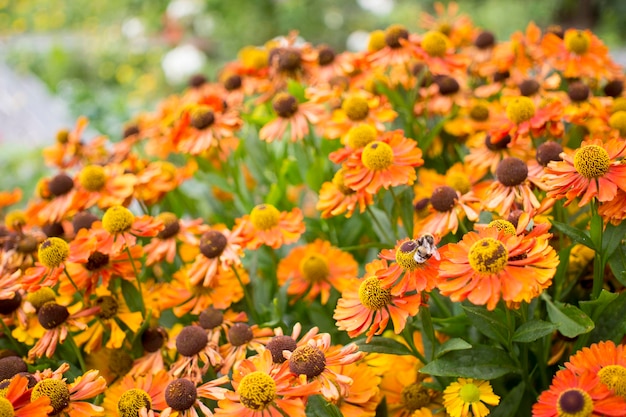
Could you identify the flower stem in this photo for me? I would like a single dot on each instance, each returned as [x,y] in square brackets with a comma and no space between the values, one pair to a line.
[246,294]
[596,230]
[79,355]
[67,274]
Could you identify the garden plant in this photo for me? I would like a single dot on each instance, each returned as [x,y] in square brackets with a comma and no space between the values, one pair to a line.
[433,226]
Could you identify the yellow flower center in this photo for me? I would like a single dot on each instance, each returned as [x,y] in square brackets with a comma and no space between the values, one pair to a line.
[520,109]
[458,181]
[53,252]
[619,104]
[405,255]
[56,390]
[414,397]
[577,41]
[15,219]
[361,135]
[469,393]
[314,268]
[252,57]
[488,256]
[614,377]
[574,402]
[92,178]
[435,43]
[377,156]
[592,161]
[338,180]
[117,219]
[6,408]
[372,295]
[132,401]
[376,41]
[41,297]
[504,225]
[618,121]
[108,306]
[479,112]
[63,136]
[257,390]
[394,33]
[356,108]
[307,360]
[264,216]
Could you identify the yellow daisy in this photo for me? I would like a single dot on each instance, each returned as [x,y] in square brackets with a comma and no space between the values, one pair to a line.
[459,396]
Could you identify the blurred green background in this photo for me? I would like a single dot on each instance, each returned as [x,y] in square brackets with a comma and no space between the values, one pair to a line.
[110,59]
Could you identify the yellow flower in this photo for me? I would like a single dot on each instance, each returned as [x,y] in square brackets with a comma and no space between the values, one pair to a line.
[459,396]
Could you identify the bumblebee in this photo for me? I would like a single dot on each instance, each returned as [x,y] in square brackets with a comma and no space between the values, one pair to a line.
[426,248]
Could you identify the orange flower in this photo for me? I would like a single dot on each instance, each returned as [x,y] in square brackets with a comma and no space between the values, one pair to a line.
[67,399]
[197,353]
[122,228]
[511,189]
[447,207]
[487,151]
[203,126]
[265,225]
[614,211]
[137,395]
[436,51]
[163,247]
[493,264]
[264,389]
[366,305]
[390,161]
[571,394]
[364,394]
[183,397]
[17,400]
[358,108]
[335,198]
[8,198]
[579,54]
[314,269]
[105,186]
[604,360]
[447,20]
[242,337]
[594,171]
[159,178]
[415,268]
[219,249]
[293,116]
[317,360]
[393,48]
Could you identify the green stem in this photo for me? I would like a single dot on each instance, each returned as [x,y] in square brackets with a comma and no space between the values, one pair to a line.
[79,355]
[246,295]
[596,231]
[67,274]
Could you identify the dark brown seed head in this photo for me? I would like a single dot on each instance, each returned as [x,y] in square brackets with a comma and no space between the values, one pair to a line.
[447,85]
[326,56]
[9,305]
[549,151]
[578,91]
[279,343]
[528,87]
[83,220]
[96,261]
[11,366]
[181,394]
[444,198]
[514,217]
[285,105]
[307,360]
[191,340]
[614,88]
[153,339]
[499,145]
[233,82]
[210,318]
[53,229]
[197,80]
[394,33]
[212,244]
[202,119]
[130,131]
[511,171]
[501,76]
[485,40]
[240,334]
[51,315]
[60,184]
[421,204]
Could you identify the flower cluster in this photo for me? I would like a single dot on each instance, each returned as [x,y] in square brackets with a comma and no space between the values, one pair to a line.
[242,249]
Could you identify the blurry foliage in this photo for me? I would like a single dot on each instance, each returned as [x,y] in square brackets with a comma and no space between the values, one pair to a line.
[104,56]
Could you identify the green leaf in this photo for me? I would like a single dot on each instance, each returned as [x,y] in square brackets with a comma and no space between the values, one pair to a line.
[611,322]
[383,345]
[612,237]
[481,362]
[381,225]
[317,406]
[577,235]
[595,307]
[132,296]
[617,262]
[509,405]
[533,330]
[450,345]
[570,321]
[490,323]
